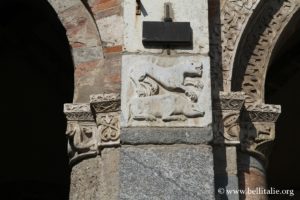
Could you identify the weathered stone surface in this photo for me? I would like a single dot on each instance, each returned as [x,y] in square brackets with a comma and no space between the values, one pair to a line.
[100,5]
[80,26]
[225,168]
[166,91]
[225,158]
[111,30]
[87,54]
[197,15]
[100,76]
[59,5]
[166,172]
[166,135]
[106,108]
[229,183]
[96,178]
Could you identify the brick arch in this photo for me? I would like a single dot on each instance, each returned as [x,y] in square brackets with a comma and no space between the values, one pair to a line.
[256,47]
[84,39]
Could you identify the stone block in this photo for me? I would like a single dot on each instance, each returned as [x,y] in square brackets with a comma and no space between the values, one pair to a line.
[154,10]
[166,135]
[164,91]
[166,172]
[60,6]
[100,5]
[229,183]
[96,178]
[80,26]
[87,54]
[111,30]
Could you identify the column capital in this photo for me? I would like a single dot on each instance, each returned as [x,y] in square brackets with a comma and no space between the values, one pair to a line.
[226,111]
[81,132]
[258,129]
[92,126]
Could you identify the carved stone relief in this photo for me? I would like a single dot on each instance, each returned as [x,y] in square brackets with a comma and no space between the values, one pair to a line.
[226,116]
[258,129]
[166,92]
[227,27]
[78,112]
[234,17]
[107,110]
[92,126]
[81,132]
[258,48]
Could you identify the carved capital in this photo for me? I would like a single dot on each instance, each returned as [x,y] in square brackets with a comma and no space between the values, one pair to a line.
[258,129]
[104,103]
[230,101]
[107,110]
[81,132]
[226,115]
[264,113]
[78,112]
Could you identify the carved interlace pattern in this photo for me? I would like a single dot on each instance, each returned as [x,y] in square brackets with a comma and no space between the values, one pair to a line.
[234,17]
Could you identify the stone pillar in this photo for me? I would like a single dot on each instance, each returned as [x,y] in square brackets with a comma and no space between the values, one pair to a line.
[226,112]
[257,135]
[252,177]
[166,107]
[94,137]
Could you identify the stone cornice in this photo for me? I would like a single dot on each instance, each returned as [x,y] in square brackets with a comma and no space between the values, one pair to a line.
[104,103]
[79,112]
[264,113]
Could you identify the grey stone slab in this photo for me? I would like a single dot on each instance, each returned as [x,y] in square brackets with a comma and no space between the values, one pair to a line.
[96,178]
[226,183]
[166,135]
[225,158]
[183,172]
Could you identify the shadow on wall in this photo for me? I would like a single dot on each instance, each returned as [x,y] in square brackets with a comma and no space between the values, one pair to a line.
[282,87]
[37,78]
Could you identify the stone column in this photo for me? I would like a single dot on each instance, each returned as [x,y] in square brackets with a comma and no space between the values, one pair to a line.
[94,137]
[166,107]
[257,135]
[226,112]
